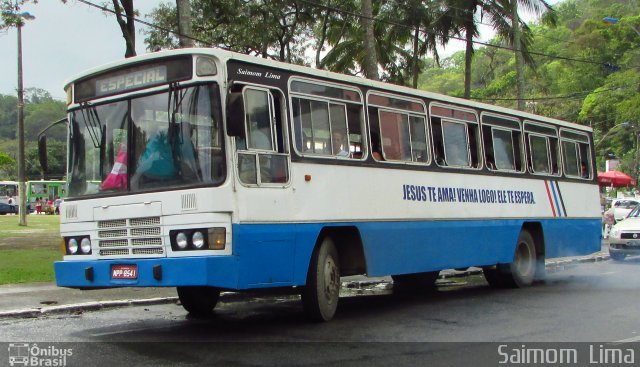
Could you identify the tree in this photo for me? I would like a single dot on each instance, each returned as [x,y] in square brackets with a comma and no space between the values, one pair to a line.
[500,14]
[126,22]
[370,58]
[280,29]
[7,165]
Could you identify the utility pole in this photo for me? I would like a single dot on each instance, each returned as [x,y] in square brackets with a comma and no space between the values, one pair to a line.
[22,185]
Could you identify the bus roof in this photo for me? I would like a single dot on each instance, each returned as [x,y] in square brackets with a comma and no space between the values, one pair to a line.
[225,55]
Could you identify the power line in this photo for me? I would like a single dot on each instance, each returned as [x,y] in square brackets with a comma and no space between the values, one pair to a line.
[568,96]
[104,8]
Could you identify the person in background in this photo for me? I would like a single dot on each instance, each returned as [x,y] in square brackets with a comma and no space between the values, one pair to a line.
[12,204]
[56,204]
[49,206]
[38,206]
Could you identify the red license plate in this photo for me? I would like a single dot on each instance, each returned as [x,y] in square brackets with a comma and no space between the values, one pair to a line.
[124,272]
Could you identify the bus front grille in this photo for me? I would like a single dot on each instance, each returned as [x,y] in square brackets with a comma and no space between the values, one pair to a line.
[130,237]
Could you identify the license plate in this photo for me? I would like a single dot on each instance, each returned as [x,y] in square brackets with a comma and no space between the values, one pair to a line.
[124,271]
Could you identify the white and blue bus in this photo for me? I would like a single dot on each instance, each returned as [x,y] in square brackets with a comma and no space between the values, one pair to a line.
[208,170]
[8,192]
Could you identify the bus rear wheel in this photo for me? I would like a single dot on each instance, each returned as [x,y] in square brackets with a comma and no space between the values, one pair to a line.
[321,293]
[521,271]
[415,282]
[199,301]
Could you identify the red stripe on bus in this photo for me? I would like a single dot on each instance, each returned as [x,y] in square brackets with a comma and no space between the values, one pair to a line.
[546,186]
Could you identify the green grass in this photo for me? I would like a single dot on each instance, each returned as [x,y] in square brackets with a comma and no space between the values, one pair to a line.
[27,252]
[28,265]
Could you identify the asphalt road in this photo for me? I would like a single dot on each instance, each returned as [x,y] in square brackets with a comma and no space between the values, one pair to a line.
[592,303]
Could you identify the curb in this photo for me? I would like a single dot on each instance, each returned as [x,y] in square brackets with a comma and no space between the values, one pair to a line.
[84,306]
[551,267]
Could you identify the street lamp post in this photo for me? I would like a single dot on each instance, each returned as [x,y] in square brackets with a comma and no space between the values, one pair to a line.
[612,20]
[22,207]
[624,124]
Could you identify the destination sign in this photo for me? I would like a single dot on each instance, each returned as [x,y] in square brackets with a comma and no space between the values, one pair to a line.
[136,77]
[134,80]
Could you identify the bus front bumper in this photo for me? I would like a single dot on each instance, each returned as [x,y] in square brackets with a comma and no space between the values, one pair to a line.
[215,271]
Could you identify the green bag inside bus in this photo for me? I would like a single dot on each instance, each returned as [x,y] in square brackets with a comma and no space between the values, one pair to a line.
[157,159]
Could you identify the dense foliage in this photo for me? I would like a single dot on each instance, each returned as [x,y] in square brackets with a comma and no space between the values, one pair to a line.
[40,110]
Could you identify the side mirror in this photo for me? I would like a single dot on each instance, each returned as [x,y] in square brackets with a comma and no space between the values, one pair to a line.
[42,152]
[235,114]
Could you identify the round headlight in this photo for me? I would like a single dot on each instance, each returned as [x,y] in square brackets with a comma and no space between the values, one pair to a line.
[85,245]
[197,239]
[181,241]
[615,233]
[72,246]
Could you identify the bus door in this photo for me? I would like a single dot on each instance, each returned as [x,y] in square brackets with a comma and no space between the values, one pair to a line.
[52,190]
[261,144]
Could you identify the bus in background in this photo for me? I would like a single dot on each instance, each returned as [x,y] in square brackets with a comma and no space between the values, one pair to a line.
[8,190]
[208,170]
[8,197]
[49,190]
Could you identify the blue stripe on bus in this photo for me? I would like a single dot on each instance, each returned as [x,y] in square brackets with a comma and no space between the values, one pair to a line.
[564,210]
[554,190]
[275,255]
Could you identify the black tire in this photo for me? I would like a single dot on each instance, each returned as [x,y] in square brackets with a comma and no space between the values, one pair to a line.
[199,301]
[415,282]
[522,271]
[617,256]
[321,293]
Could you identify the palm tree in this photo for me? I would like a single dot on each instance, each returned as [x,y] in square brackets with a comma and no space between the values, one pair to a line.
[502,15]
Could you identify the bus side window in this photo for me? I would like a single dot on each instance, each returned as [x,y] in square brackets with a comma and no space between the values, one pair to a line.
[541,142]
[262,156]
[502,146]
[327,120]
[456,136]
[576,154]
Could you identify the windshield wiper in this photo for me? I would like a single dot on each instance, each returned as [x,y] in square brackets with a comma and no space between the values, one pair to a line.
[92,122]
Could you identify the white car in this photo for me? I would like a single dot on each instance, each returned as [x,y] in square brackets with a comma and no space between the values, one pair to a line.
[624,238]
[622,208]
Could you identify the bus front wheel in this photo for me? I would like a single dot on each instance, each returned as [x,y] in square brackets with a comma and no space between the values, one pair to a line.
[519,273]
[321,293]
[199,301]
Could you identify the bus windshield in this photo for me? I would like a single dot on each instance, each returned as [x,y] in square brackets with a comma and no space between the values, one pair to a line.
[165,140]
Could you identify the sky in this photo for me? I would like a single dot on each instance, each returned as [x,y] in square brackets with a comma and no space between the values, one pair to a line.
[67,39]
[61,42]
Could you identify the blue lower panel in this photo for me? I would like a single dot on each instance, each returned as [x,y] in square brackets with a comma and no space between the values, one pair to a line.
[220,271]
[270,255]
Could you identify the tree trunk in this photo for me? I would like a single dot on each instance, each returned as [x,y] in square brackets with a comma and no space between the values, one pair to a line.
[468,57]
[518,53]
[370,58]
[127,25]
[183,8]
[323,36]
[414,62]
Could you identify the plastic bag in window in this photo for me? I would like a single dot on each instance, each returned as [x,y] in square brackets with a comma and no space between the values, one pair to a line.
[117,178]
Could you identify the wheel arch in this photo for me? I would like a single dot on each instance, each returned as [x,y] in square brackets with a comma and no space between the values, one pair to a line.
[350,248]
[537,233]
